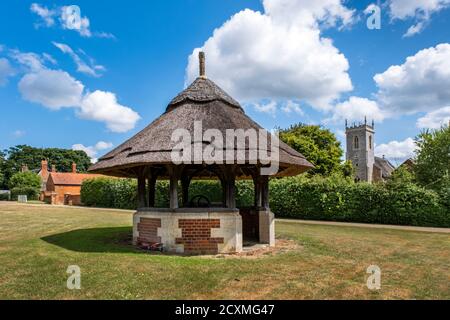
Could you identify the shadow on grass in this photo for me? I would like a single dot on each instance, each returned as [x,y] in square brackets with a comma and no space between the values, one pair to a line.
[104,240]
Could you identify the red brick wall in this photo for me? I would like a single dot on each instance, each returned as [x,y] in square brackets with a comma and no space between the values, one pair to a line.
[148,230]
[196,236]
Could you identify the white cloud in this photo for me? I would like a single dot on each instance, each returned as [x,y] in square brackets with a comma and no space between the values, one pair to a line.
[92,151]
[6,71]
[56,89]
[32,61]
[292,107]
[279,54]
[47,15]
[419,10]
[435,119]
[69,18]
[269,108]
[53,89]
[355,109]
[19,133]
[103,106]
[83,67]
[396,150]
[421,84]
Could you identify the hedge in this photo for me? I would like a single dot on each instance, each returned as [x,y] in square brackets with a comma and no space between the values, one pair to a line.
[31,193]
[300,198]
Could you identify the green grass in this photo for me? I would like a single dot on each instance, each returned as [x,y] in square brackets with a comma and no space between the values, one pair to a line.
[38,243]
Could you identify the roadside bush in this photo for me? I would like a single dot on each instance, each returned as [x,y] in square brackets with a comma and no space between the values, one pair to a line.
[4,196]
[317,198]
[31,193]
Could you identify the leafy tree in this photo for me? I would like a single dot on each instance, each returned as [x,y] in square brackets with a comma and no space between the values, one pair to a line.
[16,157]
[2,175]
[25,180]
[400,176]
[318,145]
[432,167]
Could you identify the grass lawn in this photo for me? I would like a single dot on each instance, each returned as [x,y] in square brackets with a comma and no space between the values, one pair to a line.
[38,243]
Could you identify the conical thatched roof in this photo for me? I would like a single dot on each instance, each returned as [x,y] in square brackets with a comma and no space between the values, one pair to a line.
[202,101]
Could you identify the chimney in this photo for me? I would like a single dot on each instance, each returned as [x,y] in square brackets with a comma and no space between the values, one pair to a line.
[53,168]
[44,168]
[74,167]
[202,66]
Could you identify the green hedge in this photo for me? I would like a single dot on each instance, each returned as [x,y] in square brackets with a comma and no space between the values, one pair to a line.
[324,199]
[332,199]
[31,193]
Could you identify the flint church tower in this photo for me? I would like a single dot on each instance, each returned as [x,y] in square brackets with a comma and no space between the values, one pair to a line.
[360,149]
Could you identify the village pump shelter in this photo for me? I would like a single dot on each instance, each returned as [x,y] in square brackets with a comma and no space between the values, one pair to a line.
[195,225]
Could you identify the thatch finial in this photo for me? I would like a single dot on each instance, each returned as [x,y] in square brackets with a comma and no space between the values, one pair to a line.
[201,58]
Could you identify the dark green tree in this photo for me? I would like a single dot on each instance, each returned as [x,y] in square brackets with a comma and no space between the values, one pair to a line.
[318,145]
[432,166]
[16,157]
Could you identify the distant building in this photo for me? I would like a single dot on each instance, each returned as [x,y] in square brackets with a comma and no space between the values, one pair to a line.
[64,188]
[361,152]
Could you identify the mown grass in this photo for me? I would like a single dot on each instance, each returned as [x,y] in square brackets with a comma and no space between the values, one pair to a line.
[38,243]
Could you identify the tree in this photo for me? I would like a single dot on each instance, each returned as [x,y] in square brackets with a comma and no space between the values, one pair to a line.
[318,145]
[25,183]
[25,180]
[2,175]
[432,167]
[16,157]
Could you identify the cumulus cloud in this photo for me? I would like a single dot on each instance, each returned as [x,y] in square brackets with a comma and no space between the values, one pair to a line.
[421,84]
[292,107]
[89,68]
[69,18]
[54,89]
[269,108]
[435,119]
[92,151]
[279,54]
[103,106]
[6,71]
[418,10]
[355,109]
[397,150]
[19,134]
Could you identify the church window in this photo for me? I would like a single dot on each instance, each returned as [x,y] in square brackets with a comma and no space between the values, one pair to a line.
[356,143]
[370,142]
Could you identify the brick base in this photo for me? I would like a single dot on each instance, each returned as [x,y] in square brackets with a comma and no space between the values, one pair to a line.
[196,236]
[148,230]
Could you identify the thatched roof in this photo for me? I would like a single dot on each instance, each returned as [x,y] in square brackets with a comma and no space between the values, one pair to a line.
[202,101]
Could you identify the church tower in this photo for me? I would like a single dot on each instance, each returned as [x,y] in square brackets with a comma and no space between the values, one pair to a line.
[360,149]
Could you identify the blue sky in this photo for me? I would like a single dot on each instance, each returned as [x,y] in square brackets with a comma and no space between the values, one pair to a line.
[93,82]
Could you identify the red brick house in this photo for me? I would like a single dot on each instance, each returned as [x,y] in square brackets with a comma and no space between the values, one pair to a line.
[64,188]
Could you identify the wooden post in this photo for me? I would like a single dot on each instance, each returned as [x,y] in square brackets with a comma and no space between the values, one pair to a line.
[230,187]
[265,192]
[185,182]
[142,201]
[258,192]
[173,189]
[152,177]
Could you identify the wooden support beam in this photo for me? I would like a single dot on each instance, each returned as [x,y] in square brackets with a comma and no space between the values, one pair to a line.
[142,199]
[230,186]
[152,177]
[185,182]
[173,188]
[265,192]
